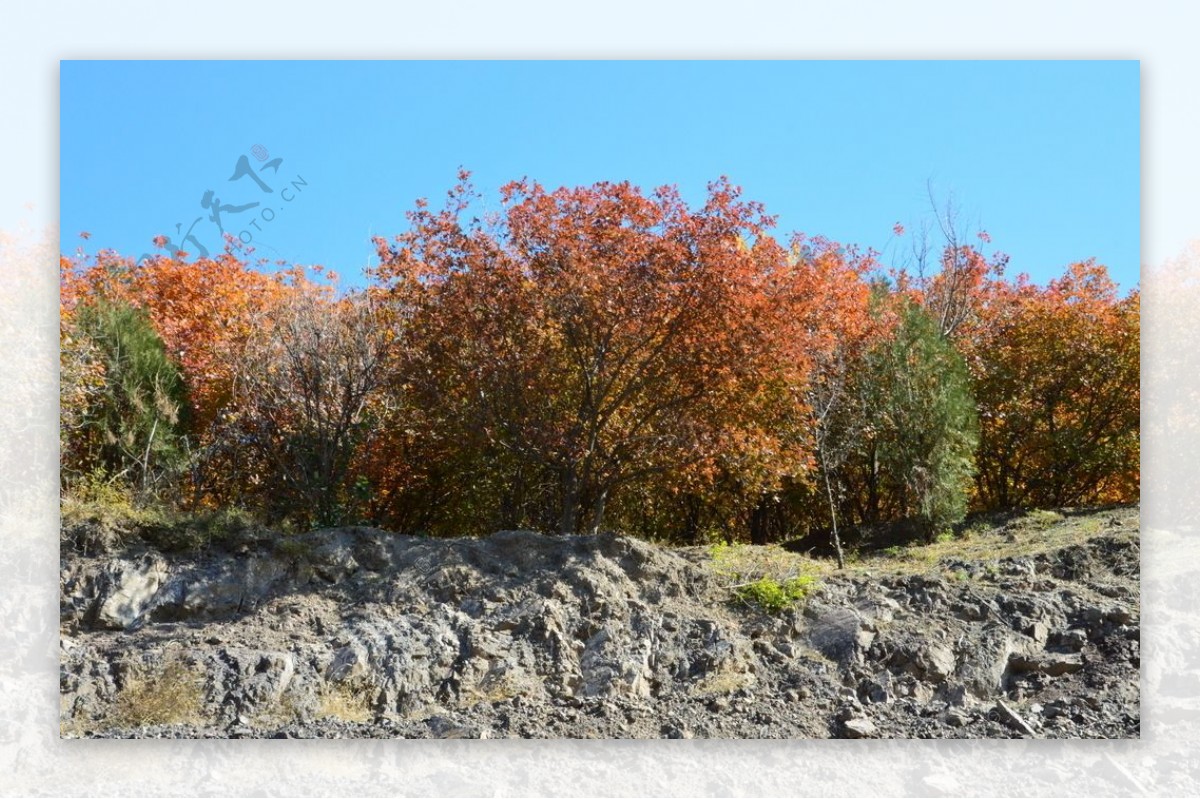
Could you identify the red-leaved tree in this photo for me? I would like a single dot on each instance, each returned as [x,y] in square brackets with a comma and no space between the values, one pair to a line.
[592,338]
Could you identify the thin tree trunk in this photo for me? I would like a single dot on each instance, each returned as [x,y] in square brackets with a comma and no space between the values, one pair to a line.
[837,539]
[146,456]
[873,487]
[598,511]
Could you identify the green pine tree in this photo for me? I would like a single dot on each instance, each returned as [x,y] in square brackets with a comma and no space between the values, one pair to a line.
[927,422]
[136,419]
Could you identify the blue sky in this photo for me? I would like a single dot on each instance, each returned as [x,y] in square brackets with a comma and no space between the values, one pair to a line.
[1043,155]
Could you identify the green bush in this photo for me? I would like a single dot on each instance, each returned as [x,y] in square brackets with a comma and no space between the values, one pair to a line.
[98,489]
[774,596]
[130,430]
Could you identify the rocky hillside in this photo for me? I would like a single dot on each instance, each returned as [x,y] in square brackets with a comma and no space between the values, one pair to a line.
[1027,628]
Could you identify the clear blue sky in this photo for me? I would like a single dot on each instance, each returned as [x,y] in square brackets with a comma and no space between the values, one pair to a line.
[1044,155]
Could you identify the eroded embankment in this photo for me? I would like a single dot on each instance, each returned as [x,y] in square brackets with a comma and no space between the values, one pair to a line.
[359,633]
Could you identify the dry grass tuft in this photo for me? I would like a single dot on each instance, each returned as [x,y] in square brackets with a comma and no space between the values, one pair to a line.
[1033,533]
[500,685]
[173,694]
[284,711]
[346,701]
[725,682]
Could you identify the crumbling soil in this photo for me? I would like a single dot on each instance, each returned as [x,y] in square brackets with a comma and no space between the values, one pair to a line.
[356,632]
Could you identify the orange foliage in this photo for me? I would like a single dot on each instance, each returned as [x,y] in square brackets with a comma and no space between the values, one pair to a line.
[599,350]
[597,337]
[1056,379]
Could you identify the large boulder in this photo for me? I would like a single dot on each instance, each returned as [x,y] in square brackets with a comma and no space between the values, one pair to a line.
[127,589]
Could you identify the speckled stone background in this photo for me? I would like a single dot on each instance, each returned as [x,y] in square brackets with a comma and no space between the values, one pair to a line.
[33,761]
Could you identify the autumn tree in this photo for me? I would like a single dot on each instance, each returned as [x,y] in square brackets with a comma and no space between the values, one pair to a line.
[838,312]
[204,312]
[594,337]
[602,357]
[947,273]
[1056,373]
[81,388]
[308,374]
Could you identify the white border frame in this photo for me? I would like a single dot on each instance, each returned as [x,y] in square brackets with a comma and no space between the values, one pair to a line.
[35,37]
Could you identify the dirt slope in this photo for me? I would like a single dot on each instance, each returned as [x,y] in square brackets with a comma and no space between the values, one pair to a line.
[1026,629]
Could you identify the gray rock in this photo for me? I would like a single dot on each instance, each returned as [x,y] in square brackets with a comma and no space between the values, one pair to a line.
[443,727]
[1073,640]
[954,694]
[357,633]
[1048,663]
[677,732]
[610,669]
[957,718]
[264,676]
[128,589]
[223,589]
[877,690]
[859,727]
[349,662]
[837,634]
[937,661]
[985,659]
[334,561]
[1013,719]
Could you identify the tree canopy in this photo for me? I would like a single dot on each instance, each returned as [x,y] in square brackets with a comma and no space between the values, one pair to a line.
[603,358]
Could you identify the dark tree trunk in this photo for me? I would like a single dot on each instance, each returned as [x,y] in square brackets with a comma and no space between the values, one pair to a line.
[759,522]
[569,518]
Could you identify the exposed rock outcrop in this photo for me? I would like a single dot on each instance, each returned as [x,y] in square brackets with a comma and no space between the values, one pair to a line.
[358,632]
